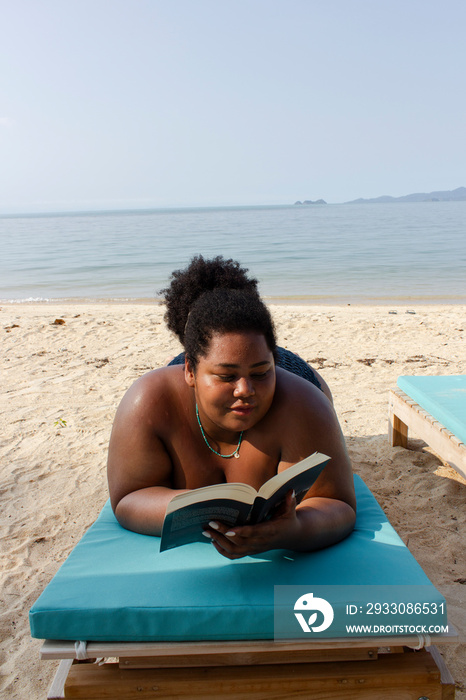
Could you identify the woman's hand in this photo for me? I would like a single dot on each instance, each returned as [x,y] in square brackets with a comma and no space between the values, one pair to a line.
[238,542]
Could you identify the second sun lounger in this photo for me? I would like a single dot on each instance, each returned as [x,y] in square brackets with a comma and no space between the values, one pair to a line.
[434,408]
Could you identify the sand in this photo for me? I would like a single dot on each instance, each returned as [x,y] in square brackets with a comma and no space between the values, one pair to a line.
[65,367]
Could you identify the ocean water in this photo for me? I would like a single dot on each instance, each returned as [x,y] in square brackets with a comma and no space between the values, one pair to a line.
[327,253]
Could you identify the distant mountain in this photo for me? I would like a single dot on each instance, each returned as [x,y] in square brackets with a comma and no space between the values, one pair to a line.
[458,195]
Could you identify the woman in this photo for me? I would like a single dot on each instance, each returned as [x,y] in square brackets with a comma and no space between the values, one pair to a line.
[227,414]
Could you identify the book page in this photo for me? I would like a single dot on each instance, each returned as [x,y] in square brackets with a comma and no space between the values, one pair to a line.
[233,491]
[307,464]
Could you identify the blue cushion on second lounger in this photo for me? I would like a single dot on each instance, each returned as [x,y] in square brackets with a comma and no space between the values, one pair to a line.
[117,586]
[443,397]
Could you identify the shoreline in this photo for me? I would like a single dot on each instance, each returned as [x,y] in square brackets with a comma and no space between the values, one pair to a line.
[290,300]
[62,383]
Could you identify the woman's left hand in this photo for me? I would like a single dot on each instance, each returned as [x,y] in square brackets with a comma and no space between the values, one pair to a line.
[237,542]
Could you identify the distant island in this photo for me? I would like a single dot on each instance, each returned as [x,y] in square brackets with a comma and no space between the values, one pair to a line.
[458,195]
[309,201]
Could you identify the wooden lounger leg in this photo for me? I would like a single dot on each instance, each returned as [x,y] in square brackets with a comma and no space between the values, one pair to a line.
[446,679]
[397,431]
[57,689]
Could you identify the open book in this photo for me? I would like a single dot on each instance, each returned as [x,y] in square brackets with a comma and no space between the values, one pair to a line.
[188,514]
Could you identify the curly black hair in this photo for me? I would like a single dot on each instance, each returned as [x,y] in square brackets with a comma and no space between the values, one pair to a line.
[212,296]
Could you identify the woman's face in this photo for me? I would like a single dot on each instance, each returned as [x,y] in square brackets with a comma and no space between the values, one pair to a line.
[234,383]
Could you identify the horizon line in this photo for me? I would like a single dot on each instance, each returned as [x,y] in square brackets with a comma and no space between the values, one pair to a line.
[200,207]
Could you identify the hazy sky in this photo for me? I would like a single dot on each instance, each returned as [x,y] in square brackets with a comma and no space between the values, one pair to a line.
[160,103]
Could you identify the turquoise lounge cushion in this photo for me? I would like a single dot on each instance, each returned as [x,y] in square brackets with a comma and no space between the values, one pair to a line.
[443,397]
[117,586]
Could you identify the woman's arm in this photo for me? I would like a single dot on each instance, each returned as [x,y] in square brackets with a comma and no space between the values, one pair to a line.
[139,468]
[143,510]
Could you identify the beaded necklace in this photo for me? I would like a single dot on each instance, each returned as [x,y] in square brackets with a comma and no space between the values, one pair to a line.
[233,454]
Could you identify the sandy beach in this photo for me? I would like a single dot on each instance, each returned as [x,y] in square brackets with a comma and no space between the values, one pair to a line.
[65,368]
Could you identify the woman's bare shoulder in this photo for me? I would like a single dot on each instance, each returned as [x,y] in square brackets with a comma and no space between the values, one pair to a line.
[303,415]
[159,387]
[308,423]
[296,394]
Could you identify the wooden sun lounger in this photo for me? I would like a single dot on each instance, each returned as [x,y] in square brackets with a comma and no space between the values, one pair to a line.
[405,413]
[115,585]
[340,669]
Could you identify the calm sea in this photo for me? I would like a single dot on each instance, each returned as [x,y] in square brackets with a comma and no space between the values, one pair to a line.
[329,253]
